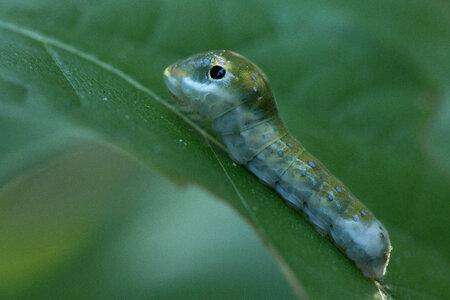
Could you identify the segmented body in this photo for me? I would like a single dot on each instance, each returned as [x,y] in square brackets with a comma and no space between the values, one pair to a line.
[244,113]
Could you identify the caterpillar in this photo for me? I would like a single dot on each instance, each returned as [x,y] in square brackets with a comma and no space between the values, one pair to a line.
[234,94]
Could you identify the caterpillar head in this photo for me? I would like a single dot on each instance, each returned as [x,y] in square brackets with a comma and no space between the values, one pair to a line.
[212,78]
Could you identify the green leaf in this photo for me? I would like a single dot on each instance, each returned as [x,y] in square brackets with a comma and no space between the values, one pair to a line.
[95,218]
[53,211]
[358,83]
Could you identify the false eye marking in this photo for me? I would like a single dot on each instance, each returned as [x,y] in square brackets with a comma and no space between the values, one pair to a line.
[217,72]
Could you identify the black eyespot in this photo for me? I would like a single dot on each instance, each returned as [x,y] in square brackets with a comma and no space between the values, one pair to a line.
[217,72]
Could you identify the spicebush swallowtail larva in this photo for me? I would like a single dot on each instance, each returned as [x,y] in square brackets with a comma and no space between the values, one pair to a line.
[232,92]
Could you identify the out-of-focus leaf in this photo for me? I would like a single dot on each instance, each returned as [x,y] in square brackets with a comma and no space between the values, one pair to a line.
[92,223]
[437,139]
[53,211]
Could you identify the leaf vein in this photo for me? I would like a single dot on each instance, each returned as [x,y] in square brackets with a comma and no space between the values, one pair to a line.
[54,56]
[260,231]
[39,37]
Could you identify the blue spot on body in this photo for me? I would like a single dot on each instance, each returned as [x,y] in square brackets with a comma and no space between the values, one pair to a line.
[312,164]
[330,197]
[254,78]
[280,153]
[303,173]
[338,188]
[290,145]
[363,213]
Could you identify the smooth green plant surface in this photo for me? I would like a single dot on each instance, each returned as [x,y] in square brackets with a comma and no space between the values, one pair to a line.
[364,86]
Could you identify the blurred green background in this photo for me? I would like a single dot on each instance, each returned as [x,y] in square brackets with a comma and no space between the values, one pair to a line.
[105,192]
[93,223]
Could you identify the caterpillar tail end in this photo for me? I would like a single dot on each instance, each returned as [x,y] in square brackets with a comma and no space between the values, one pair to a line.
[372,256]
[374,268]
